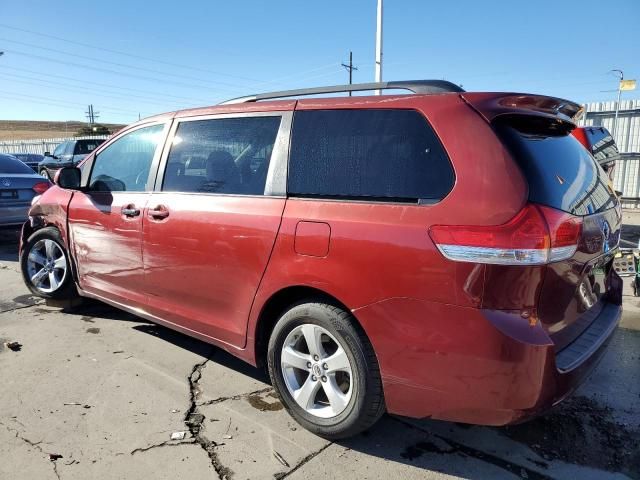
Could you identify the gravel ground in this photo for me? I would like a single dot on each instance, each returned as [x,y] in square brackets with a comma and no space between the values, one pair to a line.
[98,393]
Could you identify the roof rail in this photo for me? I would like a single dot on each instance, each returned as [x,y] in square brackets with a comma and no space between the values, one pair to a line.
[415,86]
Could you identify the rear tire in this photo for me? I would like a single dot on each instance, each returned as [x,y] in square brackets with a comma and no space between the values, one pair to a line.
[45,174]
[45,265]
[330,384]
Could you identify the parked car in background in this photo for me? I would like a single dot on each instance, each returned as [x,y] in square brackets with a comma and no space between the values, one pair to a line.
[600,143]
[445,254]
[67,154]
[32,160]
[18,185]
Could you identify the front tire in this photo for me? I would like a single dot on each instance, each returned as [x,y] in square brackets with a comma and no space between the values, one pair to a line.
[45,265]
[45,174]
[325,370]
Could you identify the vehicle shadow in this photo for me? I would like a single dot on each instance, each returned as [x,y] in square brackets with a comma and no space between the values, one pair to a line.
[204,349]
[9,241]
[90,310]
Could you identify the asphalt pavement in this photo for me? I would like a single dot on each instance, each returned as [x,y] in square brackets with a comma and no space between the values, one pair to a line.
[96,393]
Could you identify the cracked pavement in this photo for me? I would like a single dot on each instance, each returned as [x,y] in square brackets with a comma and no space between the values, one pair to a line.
[98,393]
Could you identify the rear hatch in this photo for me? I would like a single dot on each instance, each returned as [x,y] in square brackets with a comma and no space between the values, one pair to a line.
[552,262]
[562,175]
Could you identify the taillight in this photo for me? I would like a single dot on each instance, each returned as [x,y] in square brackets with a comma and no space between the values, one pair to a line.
[564,230]
[41,187]
[535,236]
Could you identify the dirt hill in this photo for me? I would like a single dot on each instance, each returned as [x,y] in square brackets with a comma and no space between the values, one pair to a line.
[26,130]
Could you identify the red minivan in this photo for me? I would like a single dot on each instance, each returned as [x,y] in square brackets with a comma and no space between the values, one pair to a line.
[437,254]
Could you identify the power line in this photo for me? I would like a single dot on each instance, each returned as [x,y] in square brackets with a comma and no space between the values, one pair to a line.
[105,70]
[123,65]
[131,55]
[78,89]
[109,85]
[164,62]
[111,109]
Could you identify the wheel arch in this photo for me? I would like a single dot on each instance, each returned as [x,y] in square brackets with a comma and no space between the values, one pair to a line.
[277,303]
[40,223]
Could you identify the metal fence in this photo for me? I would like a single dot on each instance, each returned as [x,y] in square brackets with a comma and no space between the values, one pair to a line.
[39,145]
[627,134]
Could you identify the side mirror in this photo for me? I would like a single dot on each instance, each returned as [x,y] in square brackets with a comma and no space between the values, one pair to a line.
[47,154]
[68,178]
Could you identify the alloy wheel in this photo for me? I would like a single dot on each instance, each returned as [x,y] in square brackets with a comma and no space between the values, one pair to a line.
[317,371]
[46,266]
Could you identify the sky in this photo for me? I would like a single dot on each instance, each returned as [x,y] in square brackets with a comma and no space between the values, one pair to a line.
[132,58]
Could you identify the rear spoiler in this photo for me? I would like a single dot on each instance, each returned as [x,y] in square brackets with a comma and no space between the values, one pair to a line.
[492,105]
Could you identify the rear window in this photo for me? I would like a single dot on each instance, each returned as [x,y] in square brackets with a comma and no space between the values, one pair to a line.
[11,165]
[559,170]
[85,147]
[386,155]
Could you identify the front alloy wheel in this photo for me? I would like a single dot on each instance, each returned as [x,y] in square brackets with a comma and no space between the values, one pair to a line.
[46,266]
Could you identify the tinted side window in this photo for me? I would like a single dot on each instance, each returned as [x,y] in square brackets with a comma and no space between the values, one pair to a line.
[559,170]
[369,154]
[85,147]
[225,155]
[124,165]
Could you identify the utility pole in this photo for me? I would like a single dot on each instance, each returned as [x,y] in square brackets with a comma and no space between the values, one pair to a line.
[91,115]
[379,45]
[350,68]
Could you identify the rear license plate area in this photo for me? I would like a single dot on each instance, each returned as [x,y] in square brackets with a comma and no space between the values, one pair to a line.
[8,194]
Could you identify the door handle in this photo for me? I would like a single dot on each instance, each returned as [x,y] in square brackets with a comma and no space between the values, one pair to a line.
[130,211]
[159,213]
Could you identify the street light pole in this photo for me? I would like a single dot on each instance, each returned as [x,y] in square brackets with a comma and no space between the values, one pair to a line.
[615,118]
[379,45]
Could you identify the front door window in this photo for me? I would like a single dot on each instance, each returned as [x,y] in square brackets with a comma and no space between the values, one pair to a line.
[124,165]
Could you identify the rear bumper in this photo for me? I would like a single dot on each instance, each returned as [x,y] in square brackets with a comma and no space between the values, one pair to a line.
[476,366]
[14,215]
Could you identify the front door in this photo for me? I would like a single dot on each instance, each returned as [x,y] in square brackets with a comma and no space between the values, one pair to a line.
[210,226]
[105,220]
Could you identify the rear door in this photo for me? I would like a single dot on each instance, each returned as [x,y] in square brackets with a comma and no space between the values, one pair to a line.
[211,222]
[562,175]
[105,219]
